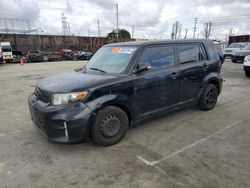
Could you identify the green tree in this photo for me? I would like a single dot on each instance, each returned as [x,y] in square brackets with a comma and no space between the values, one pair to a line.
[123,33]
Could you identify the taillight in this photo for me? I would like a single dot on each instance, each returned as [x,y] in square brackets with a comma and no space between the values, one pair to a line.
[1,54]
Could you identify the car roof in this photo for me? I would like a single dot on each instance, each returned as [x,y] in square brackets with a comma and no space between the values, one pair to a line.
[143,43]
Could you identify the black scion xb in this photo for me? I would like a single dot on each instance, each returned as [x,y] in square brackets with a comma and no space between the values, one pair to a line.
[125,83]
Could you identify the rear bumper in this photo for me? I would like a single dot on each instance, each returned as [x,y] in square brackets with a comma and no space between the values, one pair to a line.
[63,124]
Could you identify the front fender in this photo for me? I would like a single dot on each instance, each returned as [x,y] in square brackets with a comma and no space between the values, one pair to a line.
[119,100]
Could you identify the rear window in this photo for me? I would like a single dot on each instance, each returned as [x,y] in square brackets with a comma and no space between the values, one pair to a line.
[189,53]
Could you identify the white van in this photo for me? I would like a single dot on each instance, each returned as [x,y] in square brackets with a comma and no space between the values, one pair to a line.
[6,51]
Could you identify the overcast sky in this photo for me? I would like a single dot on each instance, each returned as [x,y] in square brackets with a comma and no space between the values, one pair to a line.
[152,19]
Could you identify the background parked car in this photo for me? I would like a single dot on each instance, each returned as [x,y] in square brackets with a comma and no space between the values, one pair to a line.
[229,52]
[239,55]
[35,56]
[1,56]
[85,55]
[6,51]
[67,54]
[17,56]
[246,65]
[54,56]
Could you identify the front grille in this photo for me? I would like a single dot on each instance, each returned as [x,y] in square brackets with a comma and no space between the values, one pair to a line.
[41,95]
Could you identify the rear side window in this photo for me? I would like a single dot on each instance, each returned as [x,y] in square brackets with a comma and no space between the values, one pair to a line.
[158,56]
[189,53]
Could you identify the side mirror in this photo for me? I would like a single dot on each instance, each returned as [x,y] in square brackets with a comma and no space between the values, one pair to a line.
[143,66]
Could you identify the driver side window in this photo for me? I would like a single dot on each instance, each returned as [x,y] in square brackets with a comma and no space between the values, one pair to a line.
[158,56]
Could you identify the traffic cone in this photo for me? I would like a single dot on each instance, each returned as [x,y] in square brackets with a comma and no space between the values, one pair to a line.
[21,62]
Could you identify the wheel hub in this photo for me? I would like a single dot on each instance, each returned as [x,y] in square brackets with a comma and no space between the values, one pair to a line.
[110,126]
[211,97]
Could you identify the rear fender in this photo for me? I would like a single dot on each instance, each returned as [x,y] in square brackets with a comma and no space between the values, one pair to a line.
[212,77]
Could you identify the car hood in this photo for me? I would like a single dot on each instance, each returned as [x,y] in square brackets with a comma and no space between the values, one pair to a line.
[71,82]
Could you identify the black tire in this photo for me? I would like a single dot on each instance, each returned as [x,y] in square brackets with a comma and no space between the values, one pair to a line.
[209,97]
[234,61]
[247,74]
[109,126]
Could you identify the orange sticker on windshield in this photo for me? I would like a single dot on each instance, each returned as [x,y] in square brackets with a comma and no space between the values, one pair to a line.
[115,51]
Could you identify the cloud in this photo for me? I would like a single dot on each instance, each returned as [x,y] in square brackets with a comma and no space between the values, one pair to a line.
[151,19]
[20,9]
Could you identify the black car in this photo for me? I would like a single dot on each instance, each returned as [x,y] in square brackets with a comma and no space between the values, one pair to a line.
[125,83]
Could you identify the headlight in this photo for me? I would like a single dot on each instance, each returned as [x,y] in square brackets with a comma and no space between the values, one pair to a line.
[58,99]
[247,58]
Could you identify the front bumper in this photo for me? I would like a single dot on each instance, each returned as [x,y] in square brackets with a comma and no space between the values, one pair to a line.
[65,123]
[239,58]
[246,68]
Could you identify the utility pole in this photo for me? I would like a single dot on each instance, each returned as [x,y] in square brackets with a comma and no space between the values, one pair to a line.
[117,22]
[133,30]
[98,27]
[68,28]
[186,32]
[88,32]
[195,26]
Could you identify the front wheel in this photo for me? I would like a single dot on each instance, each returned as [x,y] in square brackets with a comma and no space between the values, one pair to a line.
[110,126]
[209,97]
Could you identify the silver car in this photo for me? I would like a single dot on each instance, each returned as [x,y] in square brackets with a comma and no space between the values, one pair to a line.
[229,51]
[246,65]
[239,55]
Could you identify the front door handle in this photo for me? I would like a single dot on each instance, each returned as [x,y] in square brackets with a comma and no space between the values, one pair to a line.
[174,75]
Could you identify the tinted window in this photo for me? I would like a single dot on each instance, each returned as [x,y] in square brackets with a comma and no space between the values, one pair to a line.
[158,56]
[188,53]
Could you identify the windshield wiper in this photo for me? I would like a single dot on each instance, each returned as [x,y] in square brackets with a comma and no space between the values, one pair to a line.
[98,69]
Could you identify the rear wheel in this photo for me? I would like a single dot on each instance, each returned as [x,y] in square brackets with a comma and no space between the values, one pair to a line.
[110,126]
[247,74]
[209,97]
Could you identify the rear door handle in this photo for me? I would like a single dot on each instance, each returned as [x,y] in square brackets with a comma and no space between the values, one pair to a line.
[174,75]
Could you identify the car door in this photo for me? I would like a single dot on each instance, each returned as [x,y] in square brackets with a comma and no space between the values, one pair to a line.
[158,87]
[193,64]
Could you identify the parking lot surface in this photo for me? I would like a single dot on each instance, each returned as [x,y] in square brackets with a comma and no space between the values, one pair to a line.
[189,148]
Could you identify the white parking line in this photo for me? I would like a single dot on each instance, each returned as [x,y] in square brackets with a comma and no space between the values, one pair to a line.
[152,163]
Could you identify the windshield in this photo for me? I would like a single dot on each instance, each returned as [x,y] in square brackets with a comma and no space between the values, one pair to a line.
[17,53]
[6,49]
[235,45]
[111,59]
[246,47]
